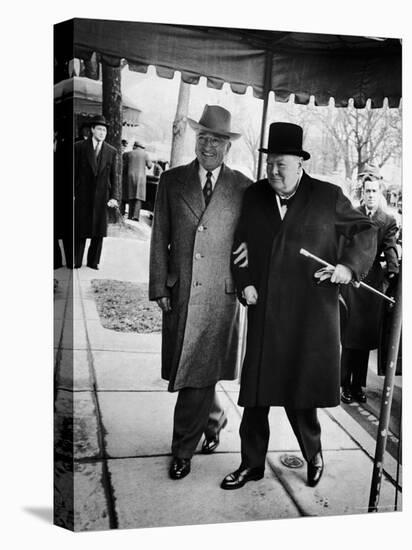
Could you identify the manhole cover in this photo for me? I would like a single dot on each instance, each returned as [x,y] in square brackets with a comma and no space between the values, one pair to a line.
[291,461]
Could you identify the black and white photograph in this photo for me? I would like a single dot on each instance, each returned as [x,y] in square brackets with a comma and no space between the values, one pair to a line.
[227,292]
[226,245]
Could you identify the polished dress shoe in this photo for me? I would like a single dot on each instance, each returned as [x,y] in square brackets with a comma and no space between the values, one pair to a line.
[315,469]
[210,444]
[240,477]
[179,468]
[346,396]
[359,395]
[93,266]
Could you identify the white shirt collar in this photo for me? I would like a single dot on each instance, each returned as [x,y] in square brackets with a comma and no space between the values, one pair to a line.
[203,172]
[282,209]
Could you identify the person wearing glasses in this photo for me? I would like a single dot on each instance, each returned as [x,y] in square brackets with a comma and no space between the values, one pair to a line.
[196,211]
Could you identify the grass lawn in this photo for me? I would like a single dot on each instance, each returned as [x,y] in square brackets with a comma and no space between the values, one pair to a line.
[125,307]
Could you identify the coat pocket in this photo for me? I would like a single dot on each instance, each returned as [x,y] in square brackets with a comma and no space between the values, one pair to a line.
[230,286]
[171,280]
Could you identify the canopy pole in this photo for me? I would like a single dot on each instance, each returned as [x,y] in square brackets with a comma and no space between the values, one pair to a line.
[266,90]
[387,394]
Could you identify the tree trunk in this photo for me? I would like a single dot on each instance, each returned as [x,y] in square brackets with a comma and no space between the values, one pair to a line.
[112,111]
[179,125]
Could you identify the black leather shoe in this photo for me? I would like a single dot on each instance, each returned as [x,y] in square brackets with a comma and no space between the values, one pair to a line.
[93,266]
[240,477]
[315,469]
[346,396]
[179,468]
[210,444]
[359,395]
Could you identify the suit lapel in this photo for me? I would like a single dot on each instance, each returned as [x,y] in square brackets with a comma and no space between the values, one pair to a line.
[91,156]
[101,161]
[191,190]
[222,193]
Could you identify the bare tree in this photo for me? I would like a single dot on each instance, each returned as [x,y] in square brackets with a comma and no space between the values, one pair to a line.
[363,136]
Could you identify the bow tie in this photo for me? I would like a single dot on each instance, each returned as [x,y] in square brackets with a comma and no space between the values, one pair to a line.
[284,201]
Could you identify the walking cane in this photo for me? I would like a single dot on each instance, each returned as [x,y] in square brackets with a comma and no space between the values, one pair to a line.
[355,284]
[386,403]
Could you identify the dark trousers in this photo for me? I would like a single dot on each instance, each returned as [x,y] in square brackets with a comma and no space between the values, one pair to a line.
[197,411]
[134,209]
[68,253]
[93,254]
[354,368]
[254,434]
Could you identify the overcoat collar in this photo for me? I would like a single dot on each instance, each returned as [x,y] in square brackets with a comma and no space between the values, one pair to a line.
[96,166]
[294,213]
[379,216]
[191,189]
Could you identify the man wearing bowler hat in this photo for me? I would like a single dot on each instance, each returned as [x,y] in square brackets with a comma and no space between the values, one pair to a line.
[95,190]
[292,350]
[196,212]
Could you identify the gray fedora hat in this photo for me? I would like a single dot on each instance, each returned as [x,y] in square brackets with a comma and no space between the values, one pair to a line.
[285,139]
[215,119]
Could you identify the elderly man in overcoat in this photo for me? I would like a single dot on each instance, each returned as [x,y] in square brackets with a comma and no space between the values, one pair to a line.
[363,309]
[292,351]
[196,212]
[95,189]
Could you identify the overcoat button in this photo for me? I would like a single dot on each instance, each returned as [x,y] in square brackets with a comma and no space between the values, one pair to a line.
[200,228]
[198,255]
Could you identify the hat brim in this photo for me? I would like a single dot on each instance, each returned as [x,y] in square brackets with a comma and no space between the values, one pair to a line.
[304,154]
[196,126]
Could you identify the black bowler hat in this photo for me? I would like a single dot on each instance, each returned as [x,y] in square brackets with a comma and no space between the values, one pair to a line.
[286,139]
[99,121]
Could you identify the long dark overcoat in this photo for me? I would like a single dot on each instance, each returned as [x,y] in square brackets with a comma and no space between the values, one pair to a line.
[190,262]
[95,184]
[292,354]
[364,309]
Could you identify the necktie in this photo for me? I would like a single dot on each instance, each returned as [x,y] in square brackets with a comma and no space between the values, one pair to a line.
[370,213]
[96,152]
[208,189]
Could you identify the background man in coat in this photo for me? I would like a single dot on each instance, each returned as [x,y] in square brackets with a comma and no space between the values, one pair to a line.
[196,212]
[364,309]
[135,163]
[292,351]
[95,189]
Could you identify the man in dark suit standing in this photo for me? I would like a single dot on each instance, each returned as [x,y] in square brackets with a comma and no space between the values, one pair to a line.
[292,350]
[95,189]
[364,309]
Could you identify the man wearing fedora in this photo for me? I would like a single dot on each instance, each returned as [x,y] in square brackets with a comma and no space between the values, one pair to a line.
[134,178]
[292,350]
[196,212]
[95,189]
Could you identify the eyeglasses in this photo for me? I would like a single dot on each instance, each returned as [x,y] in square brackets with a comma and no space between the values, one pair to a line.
[214,141]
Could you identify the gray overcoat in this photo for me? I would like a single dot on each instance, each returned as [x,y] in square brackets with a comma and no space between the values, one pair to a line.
[190,262]
[134,174]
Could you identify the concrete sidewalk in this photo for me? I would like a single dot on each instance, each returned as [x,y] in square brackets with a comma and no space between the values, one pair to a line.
[123,427]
